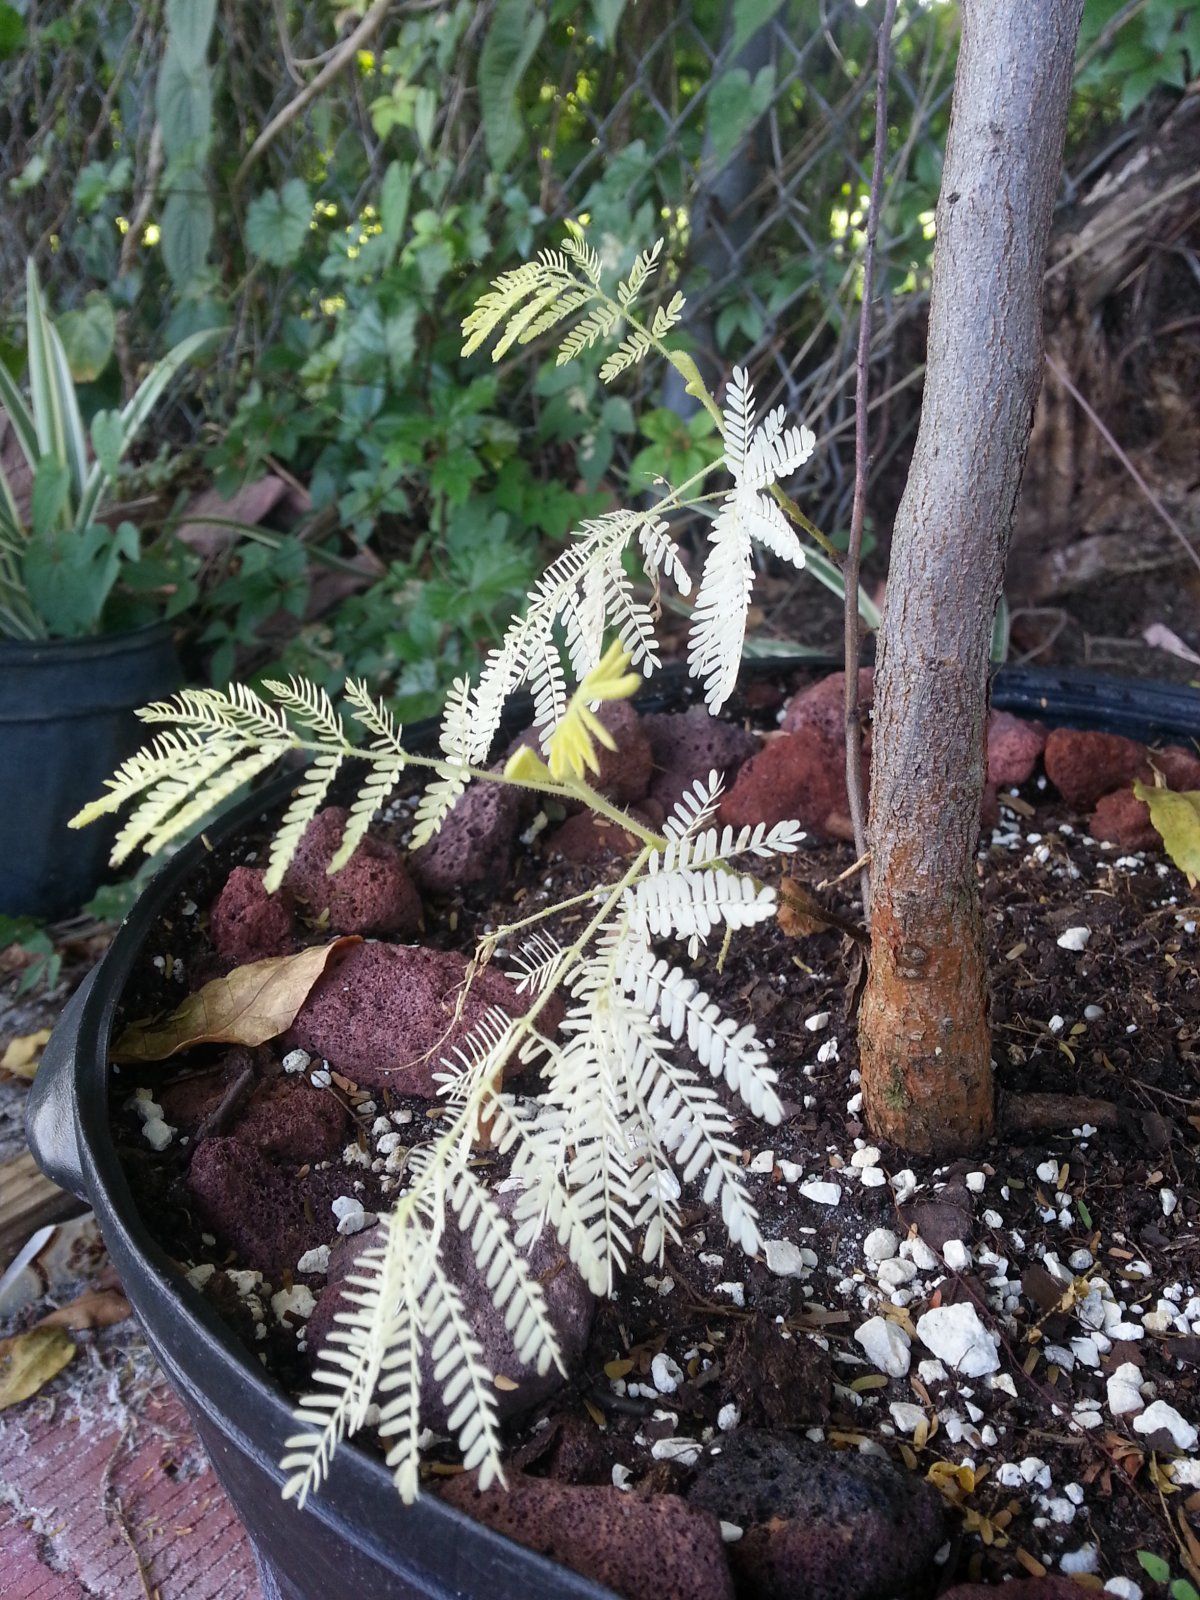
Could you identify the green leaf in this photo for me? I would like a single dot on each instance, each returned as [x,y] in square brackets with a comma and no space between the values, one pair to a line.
[394,196]
[189,29]
[187,230]
[69,577]
[606,15]
[1177,818]
[12,31]
[278,221]
[108,440]
[735,104]
[183,100]
[88,336]
[1153,1566]
[513,37]
[749,16]
[51,482]
[1181,1589]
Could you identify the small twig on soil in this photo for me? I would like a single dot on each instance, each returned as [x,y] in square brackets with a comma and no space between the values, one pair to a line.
[230,1103]
[1043,1113]
[853,567]
[856,866]
[113,1506]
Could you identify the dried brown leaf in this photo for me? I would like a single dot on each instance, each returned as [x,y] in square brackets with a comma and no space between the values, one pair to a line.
[22,1054]
[29,1360]
[249,1006]
[97,1308]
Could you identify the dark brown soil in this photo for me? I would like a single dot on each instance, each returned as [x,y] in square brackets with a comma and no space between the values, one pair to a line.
[1118,1020]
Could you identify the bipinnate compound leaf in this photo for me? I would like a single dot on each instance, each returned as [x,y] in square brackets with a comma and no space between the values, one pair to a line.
[248,1006]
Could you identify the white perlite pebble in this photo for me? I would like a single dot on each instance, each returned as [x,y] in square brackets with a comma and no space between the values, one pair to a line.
[728,1417]
[907,1417]
[200,1275]
[297,1061]
[1169,1200]
[818,1020]
[821,1194]
[873,1177]
[350,1214]
[975,1181]
[665,1374]
[828,1051]
[956,1335]
[880,1245]
[887,1346]
[1125,1390]
[763,1161]
[956,1255]
[315,1260]
[735,1291]
[784,1258]
[868,1156]
[895,1274]
[685,1451]
[1074,939]
[1123,1588]
[1085,1559]
[1093,1013]
[299,1300]
[730,1532]
[904,1185]
[1162,1418]
[157,1133]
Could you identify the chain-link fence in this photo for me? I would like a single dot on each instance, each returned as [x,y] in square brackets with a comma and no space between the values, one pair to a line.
[747,144]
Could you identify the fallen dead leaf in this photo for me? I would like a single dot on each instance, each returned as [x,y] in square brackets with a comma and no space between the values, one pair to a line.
[97,1308]
[248,1006]
[22,1055]
[29,1360]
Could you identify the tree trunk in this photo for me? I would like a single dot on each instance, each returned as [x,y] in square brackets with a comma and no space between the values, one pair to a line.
[923,1029]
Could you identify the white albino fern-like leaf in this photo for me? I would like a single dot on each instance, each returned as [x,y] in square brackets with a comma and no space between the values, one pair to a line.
[756,458]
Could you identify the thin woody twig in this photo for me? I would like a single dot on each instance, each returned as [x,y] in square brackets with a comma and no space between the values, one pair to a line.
[853,566]
[1106,434]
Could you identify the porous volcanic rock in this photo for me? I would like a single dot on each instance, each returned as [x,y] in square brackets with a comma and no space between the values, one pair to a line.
[265,1212]
[1083,765]
[248,924]
[826,1524]
[371,894]
[287,1119]
[1049,1588]
[688,745]
[1122,819]
[820,708]
[475,842]
[1013,748]
[570,1306]
[385,1015]
[625,772]
[657,1545]
[801,776]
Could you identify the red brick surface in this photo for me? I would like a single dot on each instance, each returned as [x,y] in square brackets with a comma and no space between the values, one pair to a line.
[101,1473]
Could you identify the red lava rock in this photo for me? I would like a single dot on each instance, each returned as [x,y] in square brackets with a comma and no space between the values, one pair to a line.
[1180,767]
[1013,748]
[187,1102]
[570,1306]
[657,1546]
[265,1213]
[625,772]
[1122,819]
[474,843]
[289,1120]
[826,1524]
[371,894]
[801,776]
[385,1014]
[820,707]
[1083,765]
[687,745]
[587,837]
[248,924]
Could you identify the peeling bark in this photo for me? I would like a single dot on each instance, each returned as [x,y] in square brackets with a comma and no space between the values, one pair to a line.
[923,1028]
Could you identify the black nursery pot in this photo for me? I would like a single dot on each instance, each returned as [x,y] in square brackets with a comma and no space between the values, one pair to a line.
[355,1537]
[66,722]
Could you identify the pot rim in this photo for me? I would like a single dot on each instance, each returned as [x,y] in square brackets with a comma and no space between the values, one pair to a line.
[91,647]
[1055,695]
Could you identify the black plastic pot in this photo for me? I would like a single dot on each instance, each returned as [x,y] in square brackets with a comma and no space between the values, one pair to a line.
[66,721]
[355,1538]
